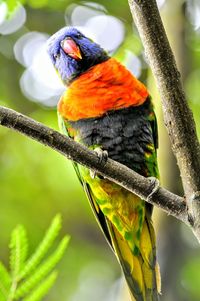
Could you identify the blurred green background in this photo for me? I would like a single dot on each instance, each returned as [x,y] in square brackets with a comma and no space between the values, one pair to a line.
[36,182]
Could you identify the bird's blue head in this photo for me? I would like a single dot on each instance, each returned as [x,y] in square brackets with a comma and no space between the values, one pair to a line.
[72,53]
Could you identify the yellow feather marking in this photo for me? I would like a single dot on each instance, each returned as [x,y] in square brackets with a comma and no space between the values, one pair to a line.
[146,246]
[124,209]
[131,264]
[148,276]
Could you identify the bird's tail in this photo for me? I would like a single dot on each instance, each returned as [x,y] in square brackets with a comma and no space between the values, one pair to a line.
[140,270]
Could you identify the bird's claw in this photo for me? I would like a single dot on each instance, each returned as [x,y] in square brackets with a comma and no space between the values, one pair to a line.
[155,185]
[103,157]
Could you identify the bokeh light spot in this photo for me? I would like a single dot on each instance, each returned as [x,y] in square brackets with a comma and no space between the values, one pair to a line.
[15,22]
[26,47]
[132,63]
[160,3]
[39,82]
[193,13]
[106,27]
[3,12]
[77,15]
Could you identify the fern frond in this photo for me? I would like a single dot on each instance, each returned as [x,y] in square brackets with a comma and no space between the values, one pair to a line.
[24,245]
[43,247]
[42,270]
[30,280]
[5,282]
[18,250]
[43,288]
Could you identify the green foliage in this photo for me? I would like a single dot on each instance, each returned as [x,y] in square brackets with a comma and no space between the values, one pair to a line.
[38,3]
[42,288]
[43,247]
[190,278]
[5,282]
[30,279]
[18,249]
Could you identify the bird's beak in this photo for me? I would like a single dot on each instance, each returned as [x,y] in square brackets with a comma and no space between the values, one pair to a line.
[71,48]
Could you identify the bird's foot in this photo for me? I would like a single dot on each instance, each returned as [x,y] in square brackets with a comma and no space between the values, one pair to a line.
[103,157]
[155,186]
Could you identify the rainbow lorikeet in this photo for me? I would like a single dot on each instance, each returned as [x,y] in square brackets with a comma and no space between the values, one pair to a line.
[106,107]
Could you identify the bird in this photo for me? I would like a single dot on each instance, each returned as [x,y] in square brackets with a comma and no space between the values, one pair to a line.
[107,109]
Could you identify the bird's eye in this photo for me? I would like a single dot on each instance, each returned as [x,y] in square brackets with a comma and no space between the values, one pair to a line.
[78,36]
[56,56]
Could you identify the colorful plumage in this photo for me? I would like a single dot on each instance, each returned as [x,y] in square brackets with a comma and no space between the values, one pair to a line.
[105,106]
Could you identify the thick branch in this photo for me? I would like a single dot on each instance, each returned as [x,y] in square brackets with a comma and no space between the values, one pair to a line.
[146,188]
[177,115]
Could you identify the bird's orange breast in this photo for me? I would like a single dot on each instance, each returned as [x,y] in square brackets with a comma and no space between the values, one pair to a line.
[104,87]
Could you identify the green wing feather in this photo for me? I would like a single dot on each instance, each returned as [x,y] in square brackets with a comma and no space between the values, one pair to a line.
[63,129]
[95,208]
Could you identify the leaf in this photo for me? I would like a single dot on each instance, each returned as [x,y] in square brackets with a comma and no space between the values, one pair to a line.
[5,282]
[24,244]
[42,271]
[18,250]
[43,288]
[43,247]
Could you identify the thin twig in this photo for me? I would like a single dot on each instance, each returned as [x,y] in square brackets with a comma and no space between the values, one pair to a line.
[177,115]
[147,188]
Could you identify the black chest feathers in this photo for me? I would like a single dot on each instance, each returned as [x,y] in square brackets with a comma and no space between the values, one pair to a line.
[126,135]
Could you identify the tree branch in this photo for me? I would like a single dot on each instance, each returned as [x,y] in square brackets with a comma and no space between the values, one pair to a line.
[147,188]
[177,115]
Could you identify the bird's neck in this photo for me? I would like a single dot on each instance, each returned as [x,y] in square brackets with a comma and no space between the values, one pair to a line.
[104,87]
